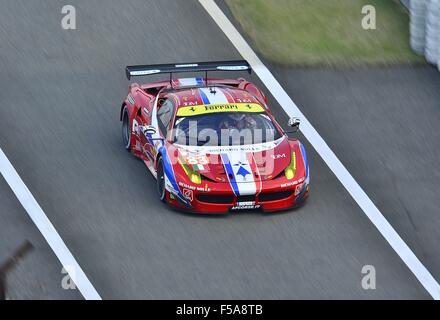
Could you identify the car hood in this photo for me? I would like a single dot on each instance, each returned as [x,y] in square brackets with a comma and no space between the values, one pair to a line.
[247,163]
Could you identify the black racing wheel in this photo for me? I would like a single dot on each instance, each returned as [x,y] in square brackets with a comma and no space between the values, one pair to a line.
[161,180]
[126,129]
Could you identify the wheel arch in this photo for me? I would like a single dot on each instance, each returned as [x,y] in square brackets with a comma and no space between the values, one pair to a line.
[124,104]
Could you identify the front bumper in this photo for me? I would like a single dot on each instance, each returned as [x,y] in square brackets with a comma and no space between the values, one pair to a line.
[222,200]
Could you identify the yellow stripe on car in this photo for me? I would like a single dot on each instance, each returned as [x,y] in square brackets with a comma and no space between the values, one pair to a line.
[213,108]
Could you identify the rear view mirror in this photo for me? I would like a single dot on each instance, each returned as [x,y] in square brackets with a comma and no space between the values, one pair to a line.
[294,124]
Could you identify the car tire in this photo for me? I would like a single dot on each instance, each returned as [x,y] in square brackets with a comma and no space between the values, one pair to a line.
[126,129]
[161,191]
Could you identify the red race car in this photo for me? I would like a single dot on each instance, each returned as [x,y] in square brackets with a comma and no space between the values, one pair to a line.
[212,145]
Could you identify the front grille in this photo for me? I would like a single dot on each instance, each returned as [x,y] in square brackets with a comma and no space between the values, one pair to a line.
[275,195]
[229,199]
[246,198]
[215,198]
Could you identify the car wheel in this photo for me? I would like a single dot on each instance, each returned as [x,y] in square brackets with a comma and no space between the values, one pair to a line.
[126,129]
[161,180]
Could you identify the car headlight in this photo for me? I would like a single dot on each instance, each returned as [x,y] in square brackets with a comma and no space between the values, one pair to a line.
[193,176]
[290,171]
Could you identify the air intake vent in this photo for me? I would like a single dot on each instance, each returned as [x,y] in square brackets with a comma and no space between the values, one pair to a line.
[215,198]
[275,195]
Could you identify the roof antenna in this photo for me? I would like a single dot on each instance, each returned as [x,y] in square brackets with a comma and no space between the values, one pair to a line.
[211,89]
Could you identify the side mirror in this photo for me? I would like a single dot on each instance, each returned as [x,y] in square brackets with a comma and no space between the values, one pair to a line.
[148,130]
[294,123]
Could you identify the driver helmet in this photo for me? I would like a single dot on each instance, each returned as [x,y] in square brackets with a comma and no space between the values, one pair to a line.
[237,116]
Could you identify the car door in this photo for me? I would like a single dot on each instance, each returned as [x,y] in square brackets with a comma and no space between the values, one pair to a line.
[163,116]
[144,118]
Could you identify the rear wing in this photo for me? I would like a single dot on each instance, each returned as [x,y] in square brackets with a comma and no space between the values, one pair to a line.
[145,70]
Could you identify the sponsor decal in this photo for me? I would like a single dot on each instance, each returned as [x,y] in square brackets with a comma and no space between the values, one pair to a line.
[190,103]
[230,149]
[144,72]
[187,65]
[195,159]
[292,183]
[188,193]
[278,156]
[201,189]
[212,108]
[246,205]
[232,68]
[298,189]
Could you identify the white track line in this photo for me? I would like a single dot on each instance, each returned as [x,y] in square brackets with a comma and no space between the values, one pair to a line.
[372,212]
[43,224]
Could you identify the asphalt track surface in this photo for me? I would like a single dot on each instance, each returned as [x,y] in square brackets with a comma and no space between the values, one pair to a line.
[59,102]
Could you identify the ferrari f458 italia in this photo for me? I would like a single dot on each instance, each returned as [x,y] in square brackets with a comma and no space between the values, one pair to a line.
[212,144]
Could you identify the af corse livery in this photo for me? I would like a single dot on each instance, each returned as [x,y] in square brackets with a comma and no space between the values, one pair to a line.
[212,145]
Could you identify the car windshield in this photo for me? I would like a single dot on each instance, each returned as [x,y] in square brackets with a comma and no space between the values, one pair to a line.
[225,129]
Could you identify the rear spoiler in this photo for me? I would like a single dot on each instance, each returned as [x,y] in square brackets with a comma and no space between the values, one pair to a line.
[137,71]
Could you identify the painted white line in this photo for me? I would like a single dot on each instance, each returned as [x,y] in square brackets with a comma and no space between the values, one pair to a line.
[321,147]
[48,231]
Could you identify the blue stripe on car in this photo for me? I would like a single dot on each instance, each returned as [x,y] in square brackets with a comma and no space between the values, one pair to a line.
[169,172]
[230,173]
[304,155]
[204,97]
